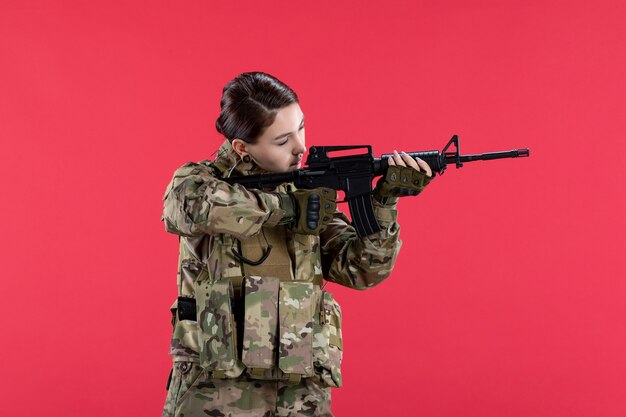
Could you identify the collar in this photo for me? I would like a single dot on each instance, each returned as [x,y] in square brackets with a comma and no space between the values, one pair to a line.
[227,161]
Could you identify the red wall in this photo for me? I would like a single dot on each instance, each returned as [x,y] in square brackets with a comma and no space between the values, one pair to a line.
[508,295]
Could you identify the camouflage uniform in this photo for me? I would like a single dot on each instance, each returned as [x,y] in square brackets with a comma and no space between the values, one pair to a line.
[264,339]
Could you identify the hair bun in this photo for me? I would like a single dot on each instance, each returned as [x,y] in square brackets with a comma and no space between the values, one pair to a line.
[249,104]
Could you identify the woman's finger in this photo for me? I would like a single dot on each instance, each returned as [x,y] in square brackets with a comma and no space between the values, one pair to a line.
[410,162]
[398,159]
[425,167]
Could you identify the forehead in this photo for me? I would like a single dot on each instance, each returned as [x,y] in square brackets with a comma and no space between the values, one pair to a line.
[287,119]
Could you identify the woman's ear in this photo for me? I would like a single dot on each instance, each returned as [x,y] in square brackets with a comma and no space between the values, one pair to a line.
[239,146]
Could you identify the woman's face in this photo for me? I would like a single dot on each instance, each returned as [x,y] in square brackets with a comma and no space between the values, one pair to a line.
[280,147]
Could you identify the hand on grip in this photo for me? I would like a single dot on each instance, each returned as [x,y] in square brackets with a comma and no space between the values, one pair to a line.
[310,210]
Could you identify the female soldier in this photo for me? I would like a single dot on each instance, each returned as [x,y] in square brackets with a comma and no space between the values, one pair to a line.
[254,332]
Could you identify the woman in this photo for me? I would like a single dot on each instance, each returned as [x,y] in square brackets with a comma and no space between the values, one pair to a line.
[254,332]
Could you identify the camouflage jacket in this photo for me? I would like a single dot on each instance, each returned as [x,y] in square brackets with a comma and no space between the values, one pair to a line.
[237,326]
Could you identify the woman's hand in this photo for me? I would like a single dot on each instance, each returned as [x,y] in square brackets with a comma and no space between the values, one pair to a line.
[309,211]
[404,160]
[404,177]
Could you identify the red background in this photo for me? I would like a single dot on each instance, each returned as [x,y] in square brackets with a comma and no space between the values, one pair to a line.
[508,295]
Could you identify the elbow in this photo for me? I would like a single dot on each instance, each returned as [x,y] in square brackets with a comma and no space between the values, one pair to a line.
[181,228]
[364,277]
[177,221]
[371,280]
[374,268]
[185,208]
[191,219]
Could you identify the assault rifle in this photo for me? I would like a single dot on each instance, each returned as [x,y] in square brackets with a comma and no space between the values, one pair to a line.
[353,174]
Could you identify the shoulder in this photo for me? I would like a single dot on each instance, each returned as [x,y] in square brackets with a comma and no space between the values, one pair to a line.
[196,168]
[189,177]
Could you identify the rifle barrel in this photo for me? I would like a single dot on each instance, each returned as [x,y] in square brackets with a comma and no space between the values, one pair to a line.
[438,161]
[515,153]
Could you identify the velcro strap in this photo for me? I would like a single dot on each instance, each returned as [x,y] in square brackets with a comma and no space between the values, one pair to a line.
[257,372]
[294,378]
[385,214]
[218,374]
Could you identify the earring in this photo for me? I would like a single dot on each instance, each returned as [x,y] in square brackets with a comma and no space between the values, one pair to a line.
[246,158]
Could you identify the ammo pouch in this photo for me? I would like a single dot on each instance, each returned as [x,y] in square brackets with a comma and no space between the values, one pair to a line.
[328,343]
[288,329]
[217,337]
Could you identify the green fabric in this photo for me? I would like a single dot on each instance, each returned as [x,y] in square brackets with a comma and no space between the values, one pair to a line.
[287,204]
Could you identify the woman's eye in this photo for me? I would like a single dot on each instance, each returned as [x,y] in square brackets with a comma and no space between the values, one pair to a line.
[281,144]
[301,127]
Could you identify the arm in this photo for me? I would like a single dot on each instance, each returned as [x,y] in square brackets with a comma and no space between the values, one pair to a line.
[365,262]
[360,263]
[197,203]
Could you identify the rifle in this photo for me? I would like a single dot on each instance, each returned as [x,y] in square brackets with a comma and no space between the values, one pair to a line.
[353,174]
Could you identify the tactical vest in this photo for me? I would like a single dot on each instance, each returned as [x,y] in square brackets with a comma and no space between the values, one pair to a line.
[260,308]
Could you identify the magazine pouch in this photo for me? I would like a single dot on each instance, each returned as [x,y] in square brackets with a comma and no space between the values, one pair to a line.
[296,306]
[328,343]
[217,336]
[260,322]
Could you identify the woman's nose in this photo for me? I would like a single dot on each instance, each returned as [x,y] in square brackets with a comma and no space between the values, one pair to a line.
[299,146]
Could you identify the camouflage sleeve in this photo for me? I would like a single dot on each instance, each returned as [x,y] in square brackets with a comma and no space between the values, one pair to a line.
[360,263]
[197,203]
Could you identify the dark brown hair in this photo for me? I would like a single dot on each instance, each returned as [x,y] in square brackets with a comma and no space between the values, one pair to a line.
[249,104]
